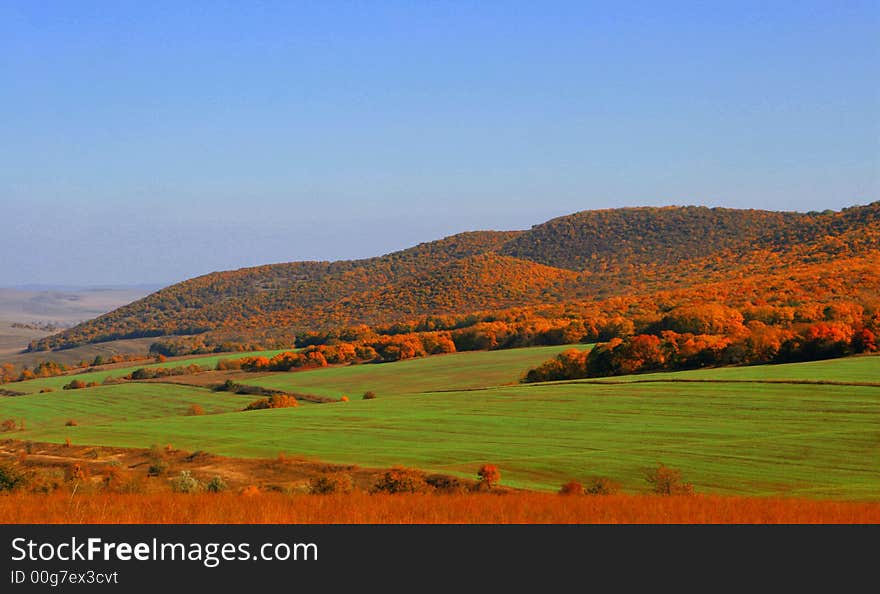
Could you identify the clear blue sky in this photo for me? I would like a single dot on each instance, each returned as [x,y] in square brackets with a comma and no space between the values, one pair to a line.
[155,141]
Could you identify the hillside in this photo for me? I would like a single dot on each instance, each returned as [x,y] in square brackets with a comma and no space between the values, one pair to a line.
[586,255]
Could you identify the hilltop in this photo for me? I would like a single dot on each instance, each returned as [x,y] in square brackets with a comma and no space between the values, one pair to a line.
[590,255]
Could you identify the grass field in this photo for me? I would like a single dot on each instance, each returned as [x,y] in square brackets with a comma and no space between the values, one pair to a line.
[56,383]
[859,369]
[730,438]
[459,371]
[104,405]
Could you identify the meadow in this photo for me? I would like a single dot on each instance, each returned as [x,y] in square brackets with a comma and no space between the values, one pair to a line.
[451,413]
[58,382]
[110,404]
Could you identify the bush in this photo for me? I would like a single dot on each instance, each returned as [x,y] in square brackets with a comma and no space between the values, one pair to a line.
[157,468]
[572,488]
[489,475]
[74,385]
[446,484]
[46,390]
[401,480]
[344,398]
[216,485]
[274,401]
[335,482]
[185,482]
[7,425]
[195,410]
[369,395]
[76,473]
[114,478]
[11,478]
[602,486]
[70,423]
[667,481]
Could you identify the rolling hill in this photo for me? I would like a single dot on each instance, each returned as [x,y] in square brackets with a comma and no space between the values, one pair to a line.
[589,255]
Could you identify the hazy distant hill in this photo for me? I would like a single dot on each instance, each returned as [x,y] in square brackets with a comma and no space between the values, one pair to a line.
[28,313]
[591,254]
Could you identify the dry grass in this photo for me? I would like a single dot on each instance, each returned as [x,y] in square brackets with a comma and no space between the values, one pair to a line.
[363,508]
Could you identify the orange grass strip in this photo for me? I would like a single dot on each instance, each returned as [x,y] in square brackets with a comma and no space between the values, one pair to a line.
[363,508]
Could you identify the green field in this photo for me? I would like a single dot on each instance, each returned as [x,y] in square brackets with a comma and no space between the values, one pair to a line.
[859,369]
[452,413]
[459,371]
[103,405]
[56,383]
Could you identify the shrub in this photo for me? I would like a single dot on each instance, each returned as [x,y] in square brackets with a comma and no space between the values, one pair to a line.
[334,482]
[216,485]
[67,442]
[7,425]
[74,385]
[602,486]
[114,478]
[157,468]
[11,478]
[250,491]
[369,395]
[667,481]
[70,423]
[344,398]
[195,410]
[572,488]
[76,473]
[274,401]
[401,480]
[46,390]
[185,482]
[446,484]
[489,475]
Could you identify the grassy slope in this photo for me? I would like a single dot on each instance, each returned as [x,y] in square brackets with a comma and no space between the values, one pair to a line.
[459,371]
[111,404]
[727,438]
[56,383]
[859,369]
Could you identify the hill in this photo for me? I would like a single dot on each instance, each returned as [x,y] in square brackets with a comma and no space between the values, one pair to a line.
[588,255]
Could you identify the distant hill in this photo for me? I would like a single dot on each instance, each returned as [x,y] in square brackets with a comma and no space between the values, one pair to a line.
[586,255]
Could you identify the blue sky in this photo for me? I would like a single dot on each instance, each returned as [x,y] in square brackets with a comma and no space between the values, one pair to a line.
[151,142]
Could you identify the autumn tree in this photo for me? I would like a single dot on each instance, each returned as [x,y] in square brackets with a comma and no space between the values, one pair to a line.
[667,481]
[572,488]
[489,475]
[401,480]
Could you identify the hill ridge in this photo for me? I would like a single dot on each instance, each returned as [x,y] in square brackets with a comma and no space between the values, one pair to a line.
[587,254]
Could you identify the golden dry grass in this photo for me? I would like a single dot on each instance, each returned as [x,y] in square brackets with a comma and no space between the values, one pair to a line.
[363,508]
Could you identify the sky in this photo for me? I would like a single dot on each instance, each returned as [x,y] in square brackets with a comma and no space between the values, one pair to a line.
[150,142]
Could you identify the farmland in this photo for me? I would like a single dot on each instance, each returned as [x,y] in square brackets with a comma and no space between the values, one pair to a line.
[451,413]
[103,405]
[57,382]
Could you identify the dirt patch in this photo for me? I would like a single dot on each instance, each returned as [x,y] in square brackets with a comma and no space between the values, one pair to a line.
[206,379]
[136,467]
